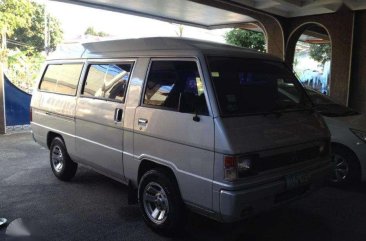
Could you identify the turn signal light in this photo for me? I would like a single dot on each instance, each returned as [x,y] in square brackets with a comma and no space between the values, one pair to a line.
[231,170]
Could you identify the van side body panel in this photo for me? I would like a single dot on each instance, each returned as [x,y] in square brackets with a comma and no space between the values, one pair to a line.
[54,113]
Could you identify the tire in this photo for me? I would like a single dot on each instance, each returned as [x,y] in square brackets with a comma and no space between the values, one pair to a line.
[161,203]
[346,166]
[61,164]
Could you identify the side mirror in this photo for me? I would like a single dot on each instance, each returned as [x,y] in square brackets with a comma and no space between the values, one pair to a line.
[189,103]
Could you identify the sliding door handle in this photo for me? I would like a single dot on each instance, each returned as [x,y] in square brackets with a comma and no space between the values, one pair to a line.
[142,122]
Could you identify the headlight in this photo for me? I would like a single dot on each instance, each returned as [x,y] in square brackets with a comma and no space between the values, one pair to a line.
[237,167]
[244,165]
[359,134]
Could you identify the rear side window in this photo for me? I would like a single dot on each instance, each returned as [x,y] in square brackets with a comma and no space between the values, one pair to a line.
[175,85]
[61,78]
[107,81]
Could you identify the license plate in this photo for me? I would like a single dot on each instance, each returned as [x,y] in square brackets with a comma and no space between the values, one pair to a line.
[297,180]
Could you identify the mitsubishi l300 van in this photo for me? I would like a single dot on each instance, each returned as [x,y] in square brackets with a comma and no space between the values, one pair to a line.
[224,131]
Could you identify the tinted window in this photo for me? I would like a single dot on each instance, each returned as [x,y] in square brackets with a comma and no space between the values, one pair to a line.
[61,78]
[107,81]
[175,85]
[255,86]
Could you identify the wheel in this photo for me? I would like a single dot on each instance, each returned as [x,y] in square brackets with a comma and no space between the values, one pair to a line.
[160,202]
[346,166]
[62,165]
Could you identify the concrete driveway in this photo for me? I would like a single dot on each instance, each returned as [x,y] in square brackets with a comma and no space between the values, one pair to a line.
[93,207]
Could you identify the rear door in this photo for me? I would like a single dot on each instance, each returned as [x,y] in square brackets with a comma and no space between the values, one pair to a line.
[99,115]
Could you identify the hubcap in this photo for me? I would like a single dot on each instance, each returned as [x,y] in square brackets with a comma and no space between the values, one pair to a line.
[57,158]
[341,168]
[155,203]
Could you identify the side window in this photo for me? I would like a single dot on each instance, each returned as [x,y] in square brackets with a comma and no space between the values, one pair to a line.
[61,78]
[175,85]
[107,81]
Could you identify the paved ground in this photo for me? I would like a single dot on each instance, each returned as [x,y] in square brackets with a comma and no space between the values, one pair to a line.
[93,207]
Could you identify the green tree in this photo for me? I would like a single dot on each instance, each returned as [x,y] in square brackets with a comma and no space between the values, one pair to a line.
[13,14]
[23,69]
[92,31]
[32,38]
[321,52]
[246,38]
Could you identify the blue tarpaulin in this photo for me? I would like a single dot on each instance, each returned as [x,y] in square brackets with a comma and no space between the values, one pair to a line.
[17,104]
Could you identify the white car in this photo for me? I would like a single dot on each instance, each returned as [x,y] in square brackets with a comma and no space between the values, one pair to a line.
[348,130]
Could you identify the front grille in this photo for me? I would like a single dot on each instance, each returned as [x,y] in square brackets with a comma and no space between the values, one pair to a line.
[284,159]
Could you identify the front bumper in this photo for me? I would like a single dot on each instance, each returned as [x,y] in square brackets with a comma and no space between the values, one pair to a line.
[239,204]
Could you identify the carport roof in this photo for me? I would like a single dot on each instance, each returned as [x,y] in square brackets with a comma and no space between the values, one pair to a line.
[202,13]
[179,11]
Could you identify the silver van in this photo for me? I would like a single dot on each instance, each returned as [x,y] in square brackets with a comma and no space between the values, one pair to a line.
[224,131]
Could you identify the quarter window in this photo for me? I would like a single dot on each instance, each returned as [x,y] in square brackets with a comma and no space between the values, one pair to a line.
[175,85]
[61,78]
[107,81]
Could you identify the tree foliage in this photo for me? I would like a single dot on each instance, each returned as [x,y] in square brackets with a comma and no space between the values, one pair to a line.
[24,69]
[34,35]
[246,38]
[14,14]
[93,32]
[22,26]
[320,52]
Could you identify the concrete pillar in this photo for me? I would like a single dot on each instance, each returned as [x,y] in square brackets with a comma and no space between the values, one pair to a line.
[358,77]
[2,101]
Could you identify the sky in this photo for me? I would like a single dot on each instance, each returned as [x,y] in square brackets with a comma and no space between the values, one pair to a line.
[76,19]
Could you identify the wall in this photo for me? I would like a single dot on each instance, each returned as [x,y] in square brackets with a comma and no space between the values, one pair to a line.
[340,28]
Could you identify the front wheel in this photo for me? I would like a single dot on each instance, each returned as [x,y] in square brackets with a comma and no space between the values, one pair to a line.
[346,167]
[160,202]
[62,165]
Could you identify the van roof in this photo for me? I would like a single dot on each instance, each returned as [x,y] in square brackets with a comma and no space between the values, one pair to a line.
[151,47]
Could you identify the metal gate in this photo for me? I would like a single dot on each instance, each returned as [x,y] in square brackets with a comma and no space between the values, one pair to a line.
[17,105]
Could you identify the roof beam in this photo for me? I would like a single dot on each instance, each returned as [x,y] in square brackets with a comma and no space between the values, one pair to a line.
[266,4]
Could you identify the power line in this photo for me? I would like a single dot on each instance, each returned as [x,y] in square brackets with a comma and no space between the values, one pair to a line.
[14,42]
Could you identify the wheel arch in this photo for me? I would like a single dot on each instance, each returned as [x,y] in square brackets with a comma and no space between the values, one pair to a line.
[52,135]
[147,164]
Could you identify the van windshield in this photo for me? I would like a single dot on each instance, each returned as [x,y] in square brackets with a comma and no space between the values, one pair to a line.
[248,86]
